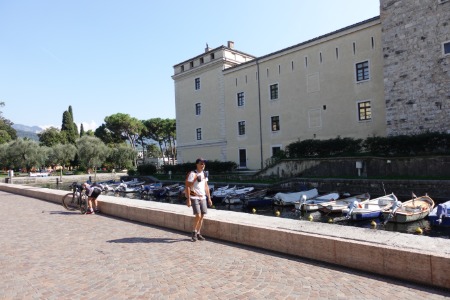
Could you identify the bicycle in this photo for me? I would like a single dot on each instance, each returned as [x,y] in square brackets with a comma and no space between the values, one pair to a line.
[76,200]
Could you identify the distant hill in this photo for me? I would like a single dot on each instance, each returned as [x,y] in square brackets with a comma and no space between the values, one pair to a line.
[34,129]
[30,132]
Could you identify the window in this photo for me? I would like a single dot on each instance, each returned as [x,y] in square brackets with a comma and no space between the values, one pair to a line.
[274,91]
[364,111]
[182,68]
[212,56]
[275,123]
[446,48]
[240,99]
[191,64]
[198,109]
[241,127]
[199,134]
[362,71]
[197,83]
[202,60]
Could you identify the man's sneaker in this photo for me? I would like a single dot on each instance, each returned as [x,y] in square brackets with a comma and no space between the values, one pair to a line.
[200,237]
[194,236]
[97,211]
[90,212]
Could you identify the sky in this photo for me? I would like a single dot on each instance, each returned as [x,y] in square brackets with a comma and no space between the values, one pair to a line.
[104,57]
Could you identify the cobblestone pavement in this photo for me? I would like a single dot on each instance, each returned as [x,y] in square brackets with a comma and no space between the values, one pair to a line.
[49,253]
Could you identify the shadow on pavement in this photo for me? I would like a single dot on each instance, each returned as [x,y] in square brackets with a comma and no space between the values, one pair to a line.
[147,240]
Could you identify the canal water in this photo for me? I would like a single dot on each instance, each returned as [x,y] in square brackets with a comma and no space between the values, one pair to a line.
[291,213]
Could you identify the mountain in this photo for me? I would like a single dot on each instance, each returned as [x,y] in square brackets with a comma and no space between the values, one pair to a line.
[30,132]
[34,129]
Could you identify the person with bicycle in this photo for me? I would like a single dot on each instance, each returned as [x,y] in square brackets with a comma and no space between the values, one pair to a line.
[92,192]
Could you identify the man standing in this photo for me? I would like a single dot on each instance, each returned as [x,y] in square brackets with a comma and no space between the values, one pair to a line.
[197,194]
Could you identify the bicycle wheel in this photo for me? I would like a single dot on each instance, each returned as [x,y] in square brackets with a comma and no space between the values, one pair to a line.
[83,204]
[69,202]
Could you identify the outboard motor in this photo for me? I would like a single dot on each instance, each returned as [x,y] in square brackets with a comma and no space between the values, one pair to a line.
[441,212]
[351,207]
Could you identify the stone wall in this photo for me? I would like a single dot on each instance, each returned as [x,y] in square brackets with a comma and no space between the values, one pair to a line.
[331,175]
[416,72]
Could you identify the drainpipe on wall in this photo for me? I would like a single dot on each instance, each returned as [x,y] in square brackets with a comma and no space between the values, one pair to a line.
[260,120]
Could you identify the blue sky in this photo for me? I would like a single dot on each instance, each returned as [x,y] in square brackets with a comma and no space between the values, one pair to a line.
[107,56]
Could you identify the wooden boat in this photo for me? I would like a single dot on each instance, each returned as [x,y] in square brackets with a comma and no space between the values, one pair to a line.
[336,206]
[370,209]
[440,215]
[414,209]
[313,204]
[286,199]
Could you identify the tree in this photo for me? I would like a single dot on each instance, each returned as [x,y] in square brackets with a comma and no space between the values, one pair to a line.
[162,131]
[155,131]
[92,152]
[7,133]
[26,154]
[107,136]
[124,125]
[122,157]
[69,128]
[51,136]
[61,155]
[81,130]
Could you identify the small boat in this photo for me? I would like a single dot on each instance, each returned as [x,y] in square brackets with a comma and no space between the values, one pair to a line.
[221,193]
[414,209]
[286,199]
[313,203]
[257,199]
[440,215]
[370,209]
[124,188]
[336,206]
[234,197]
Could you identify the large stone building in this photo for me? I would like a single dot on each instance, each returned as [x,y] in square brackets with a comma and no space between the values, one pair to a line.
[384,76]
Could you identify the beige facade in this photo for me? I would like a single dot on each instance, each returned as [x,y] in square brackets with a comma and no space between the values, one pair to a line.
[200,103]
[251,107]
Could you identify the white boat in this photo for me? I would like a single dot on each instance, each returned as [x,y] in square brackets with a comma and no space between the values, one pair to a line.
[313,203]
[370,209]
[337,205]
[414,209]
[235,196]
[285,199]
[223,192]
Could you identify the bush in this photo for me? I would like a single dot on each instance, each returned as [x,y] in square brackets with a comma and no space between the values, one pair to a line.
[147,169]
[215,167]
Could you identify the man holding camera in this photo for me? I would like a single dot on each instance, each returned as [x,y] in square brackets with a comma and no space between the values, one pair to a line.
[197,195]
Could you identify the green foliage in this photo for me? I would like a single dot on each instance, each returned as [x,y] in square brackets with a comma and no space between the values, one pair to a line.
[147,169]
[214,167]
[92,152]
[69,128]
[431,143]
[51,136]
[132,172]
[122,157]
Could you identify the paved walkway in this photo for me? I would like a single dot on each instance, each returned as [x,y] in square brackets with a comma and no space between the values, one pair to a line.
[49,253]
